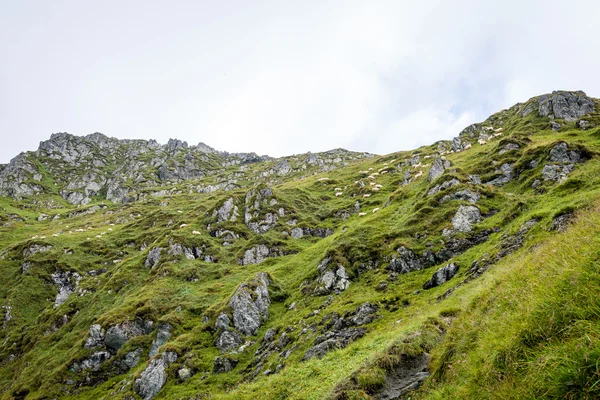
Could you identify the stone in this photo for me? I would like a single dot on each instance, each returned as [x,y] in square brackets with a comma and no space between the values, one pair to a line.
[222,321]
[36,248]
[464,195]
[95,337]
[184,374]
[228,340]
[406,261]
[555,126]
[223,364]
[153,257]
[465,217]
[332,278]
[441,276]
[297,233]
[250,304]
[154,377]
[443,186]
[334,340]
[256,254]
[569,106]
[132,358]
[562,222]
[117,335]
[509,147]
[163,335]
[437,169]
[67,284]
[561,154]
[227,212]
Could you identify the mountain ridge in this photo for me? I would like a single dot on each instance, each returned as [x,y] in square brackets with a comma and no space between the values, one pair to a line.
[462,269]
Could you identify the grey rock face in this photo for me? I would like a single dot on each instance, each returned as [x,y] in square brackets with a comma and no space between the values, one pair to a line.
[465,195]
[177,249]
[437,169]
[406,261]
[569,106]
[509,147]
[132,358]
[339,331]
[163,335]
[562,222]
[443,186]
[561,154]
[506,170]
[13,178]
[184,374]
[222,321]
[251,306]
[465,217]
[36,248]
[154,377]
[223,364]
[297,233]
[153,257]
[95,338]
[332,278]
[457,144]
[92,363]
[227,212]
[441,276]
[67,283]
[256,255]
[228,340]
[556,172]
[117,335]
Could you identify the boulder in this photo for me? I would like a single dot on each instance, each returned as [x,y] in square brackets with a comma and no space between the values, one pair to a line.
[569,106]
[441,276]
[443,186]
[437,169]
[561,154]
[464,195]
[332,278]
[250,304]
[163,335]
[228,340]
[95,338]
[154,377]
[67,283]
[117,335]
[465,217]
[223,364]
[506,170]
[153,257]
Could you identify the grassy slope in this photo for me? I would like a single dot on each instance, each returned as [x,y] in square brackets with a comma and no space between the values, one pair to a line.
[521,321]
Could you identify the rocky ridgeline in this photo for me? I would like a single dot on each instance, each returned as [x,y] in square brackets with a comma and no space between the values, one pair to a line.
[127,170]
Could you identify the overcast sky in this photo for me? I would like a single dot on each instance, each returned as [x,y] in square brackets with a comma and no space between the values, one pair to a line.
[283,77]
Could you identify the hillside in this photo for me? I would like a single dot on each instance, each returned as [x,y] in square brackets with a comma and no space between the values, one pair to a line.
[463,269]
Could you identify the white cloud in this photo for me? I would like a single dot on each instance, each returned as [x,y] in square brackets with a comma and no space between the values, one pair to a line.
[280,77]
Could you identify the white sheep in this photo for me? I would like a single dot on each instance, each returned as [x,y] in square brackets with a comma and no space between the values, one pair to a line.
[372,183]
[362,214]
[379,186]
[419,174]
[370,169]
[338,194]
[384,172]
[375,210]
[371,177]
[467,147]
[182,226]
[481,142]
[366,195]
[337,189]
[375,189]
[195,233]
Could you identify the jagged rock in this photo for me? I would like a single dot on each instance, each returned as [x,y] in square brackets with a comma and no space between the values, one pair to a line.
[556,172]
[443,186]
[465,217]
[406,261]
[510,244]
[36,248]
[250,304]
[222,322]
[154,377]
[163,335]
[153,257]
[437,168]
[475,179]
[562,222]
[569,106]
[223,365]
[297,233]
[67,283]
[364,314]
[177,249]
[227,212]
[334,340]
[441,276]
[132,358]
[184,374]
[506,170]
[509,147]
[465,195]
[256,255]
[561,154]
[117,335]
[555,126]
[228,340]
[457,144]
[92,363]
[333,278]
[283,168]
[95,338]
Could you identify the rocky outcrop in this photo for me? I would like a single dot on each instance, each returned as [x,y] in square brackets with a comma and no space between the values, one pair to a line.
[117,335]
[228,340]
[176,249]
[250,304]
[339,332]
[163,334]
[437,169]
[561,222]
[227,212]
[465,217]
[223,364]
[332,278]
[569,106]
[36,248]
[298,233]
[67,284]
[441,276]
[464,195]
[256,255]
[153,257]
[443,186]
[560,153]
[506,175]
[154,377]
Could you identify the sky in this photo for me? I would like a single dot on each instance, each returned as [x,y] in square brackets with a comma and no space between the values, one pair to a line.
[283,77]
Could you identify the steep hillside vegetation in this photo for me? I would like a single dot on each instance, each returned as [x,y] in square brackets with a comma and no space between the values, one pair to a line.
[464,269]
